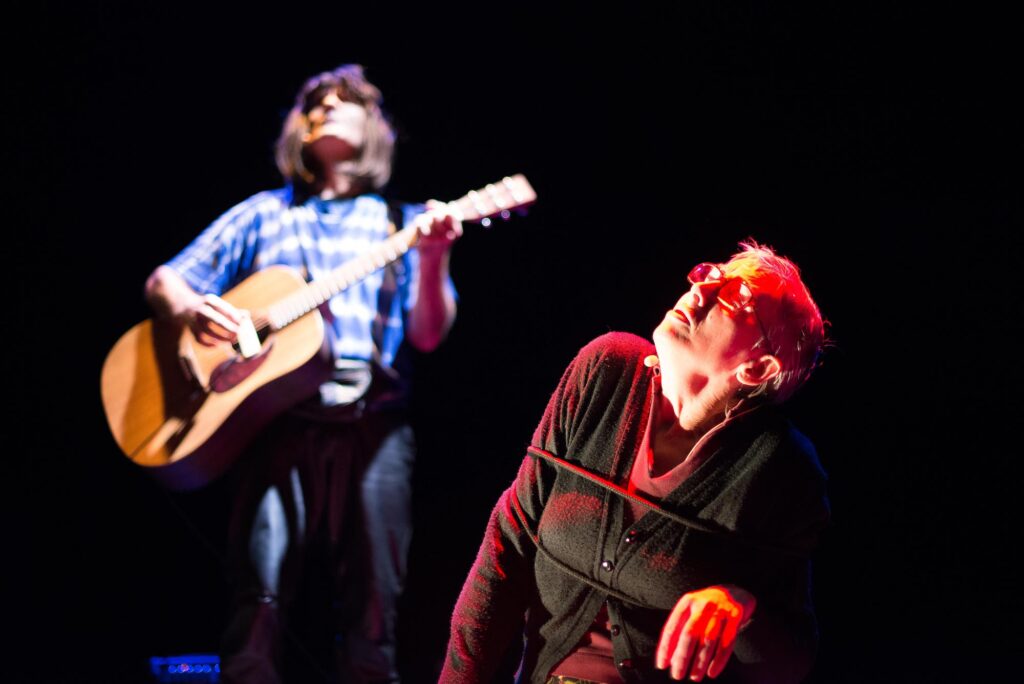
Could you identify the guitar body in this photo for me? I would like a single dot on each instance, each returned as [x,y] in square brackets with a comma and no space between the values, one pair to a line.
[185,411]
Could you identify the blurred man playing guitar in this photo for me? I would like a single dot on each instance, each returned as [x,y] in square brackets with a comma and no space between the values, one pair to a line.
[330,479]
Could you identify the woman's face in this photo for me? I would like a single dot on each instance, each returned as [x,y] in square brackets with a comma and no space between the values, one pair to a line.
[703,344]
[337,128]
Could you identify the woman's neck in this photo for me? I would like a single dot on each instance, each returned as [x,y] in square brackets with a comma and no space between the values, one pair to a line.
[670,442]
[336,185]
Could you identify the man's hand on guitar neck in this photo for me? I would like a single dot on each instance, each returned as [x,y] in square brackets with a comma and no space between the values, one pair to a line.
[439,226]
[210,318]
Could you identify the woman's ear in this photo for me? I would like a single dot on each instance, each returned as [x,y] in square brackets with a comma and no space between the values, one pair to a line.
[757,371]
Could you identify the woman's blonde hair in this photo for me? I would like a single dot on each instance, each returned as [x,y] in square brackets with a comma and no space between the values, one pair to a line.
[798,334]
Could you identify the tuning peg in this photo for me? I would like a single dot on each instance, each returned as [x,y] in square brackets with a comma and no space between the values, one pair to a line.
[506,214]
[485,222]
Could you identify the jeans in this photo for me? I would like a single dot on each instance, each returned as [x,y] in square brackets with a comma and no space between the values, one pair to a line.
[327,506]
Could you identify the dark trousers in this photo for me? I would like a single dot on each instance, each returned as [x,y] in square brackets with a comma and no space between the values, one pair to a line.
[322,515]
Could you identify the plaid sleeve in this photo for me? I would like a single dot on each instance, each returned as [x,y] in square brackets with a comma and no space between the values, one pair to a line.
[224,253]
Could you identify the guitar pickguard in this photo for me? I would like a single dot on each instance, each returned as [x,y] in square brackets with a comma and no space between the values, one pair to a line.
[235,370]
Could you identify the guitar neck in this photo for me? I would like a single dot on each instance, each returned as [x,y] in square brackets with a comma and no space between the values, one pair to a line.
[496,199]
[304,300]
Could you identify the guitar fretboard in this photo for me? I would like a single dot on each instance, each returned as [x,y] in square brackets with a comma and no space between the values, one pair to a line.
[301,302]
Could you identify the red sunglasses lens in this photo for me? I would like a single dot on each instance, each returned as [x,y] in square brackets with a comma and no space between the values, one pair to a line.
[735,295]
[703,273]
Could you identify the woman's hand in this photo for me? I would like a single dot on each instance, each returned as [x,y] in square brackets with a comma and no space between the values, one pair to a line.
[700,633]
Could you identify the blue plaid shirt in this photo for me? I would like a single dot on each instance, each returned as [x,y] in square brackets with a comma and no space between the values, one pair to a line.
[313,237]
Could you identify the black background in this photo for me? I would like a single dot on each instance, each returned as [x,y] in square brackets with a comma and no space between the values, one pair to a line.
[876,146]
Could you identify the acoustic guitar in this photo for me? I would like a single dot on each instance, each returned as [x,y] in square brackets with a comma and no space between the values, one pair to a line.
[185,411]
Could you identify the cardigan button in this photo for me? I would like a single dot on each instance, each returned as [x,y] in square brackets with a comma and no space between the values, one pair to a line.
[616,630]
[626,664]
[607,565]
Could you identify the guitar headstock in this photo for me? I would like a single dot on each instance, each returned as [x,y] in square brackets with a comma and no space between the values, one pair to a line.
[511,193]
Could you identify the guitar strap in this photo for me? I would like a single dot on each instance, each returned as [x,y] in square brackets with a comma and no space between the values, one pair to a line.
[357,386]
[388,290]
[390,286]
[385,379]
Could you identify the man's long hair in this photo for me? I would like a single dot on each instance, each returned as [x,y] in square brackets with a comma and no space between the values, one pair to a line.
[372,169]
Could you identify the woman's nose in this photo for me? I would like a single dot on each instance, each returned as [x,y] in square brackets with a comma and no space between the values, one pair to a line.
[331,100]
[702,296]
[703,293]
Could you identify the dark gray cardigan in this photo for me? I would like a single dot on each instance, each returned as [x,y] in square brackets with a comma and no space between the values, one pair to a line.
[761,486]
